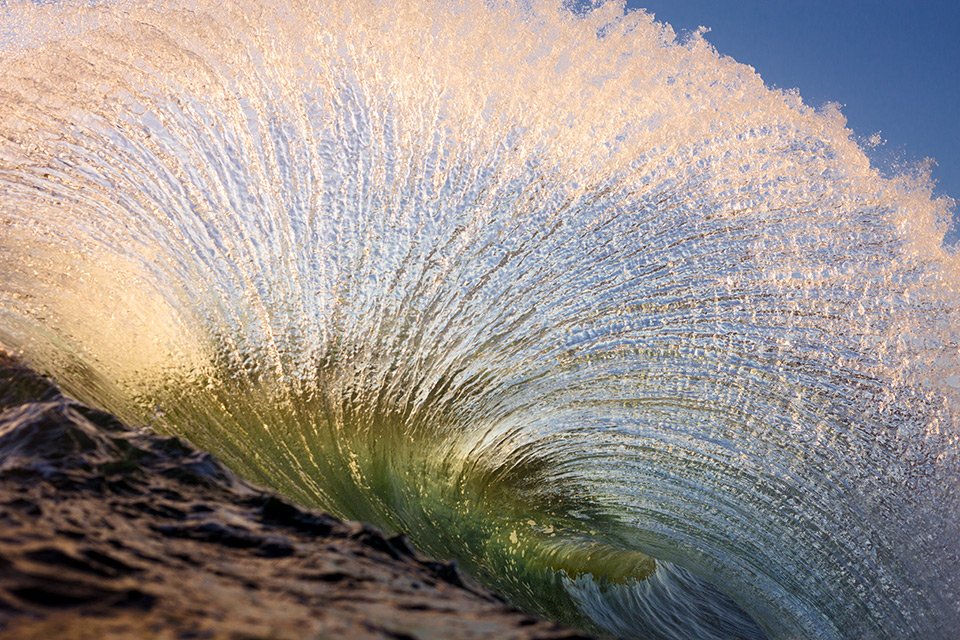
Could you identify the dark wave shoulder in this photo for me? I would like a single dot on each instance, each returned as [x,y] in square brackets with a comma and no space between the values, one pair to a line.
[112,532]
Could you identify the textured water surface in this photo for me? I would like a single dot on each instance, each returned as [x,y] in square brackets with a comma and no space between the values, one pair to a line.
[649,347]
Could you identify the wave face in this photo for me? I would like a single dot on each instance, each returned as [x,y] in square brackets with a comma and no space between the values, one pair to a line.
[649,347]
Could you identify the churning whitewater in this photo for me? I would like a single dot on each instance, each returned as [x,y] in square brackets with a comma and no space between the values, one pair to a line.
[650,347]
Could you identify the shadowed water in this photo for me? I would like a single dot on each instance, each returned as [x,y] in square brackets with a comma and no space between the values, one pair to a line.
[646,345]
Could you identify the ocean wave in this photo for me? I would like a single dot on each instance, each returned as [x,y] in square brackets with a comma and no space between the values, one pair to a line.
[646,345]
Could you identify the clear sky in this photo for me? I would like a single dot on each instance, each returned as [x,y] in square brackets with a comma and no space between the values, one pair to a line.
[894,65]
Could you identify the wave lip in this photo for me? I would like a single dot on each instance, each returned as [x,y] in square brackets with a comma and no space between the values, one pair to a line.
[593,310]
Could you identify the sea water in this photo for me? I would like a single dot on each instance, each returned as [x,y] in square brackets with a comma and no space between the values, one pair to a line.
[649,347]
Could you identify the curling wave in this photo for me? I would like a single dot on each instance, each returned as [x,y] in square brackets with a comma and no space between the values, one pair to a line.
[648,346]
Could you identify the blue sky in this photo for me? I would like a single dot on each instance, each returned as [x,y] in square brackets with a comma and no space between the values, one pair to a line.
[893,65]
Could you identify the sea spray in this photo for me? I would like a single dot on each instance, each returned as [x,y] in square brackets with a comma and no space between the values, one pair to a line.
[645,344]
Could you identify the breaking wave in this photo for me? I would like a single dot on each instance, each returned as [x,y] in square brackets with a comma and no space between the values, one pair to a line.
[648,346]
